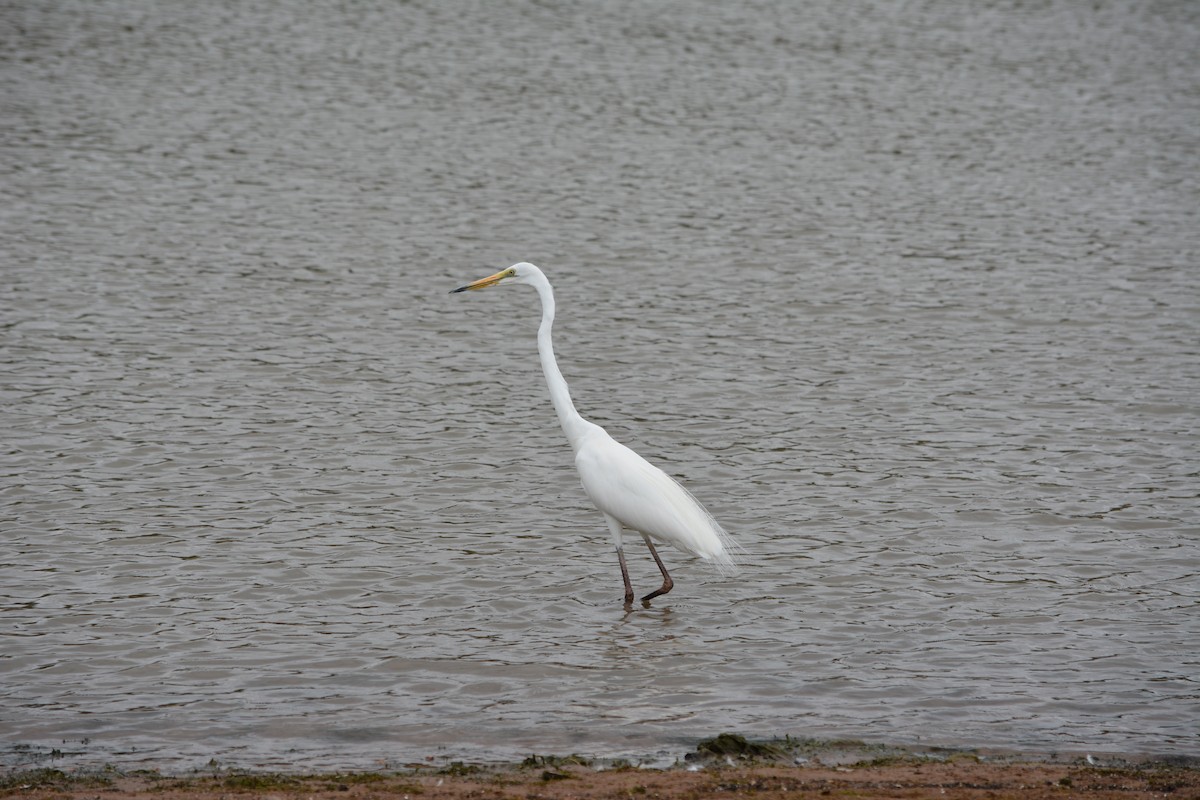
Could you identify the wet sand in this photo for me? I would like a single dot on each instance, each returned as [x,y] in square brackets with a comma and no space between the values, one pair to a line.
[723,766]
[960,778]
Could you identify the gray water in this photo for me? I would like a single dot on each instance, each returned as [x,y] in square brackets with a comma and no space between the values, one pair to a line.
[907,294]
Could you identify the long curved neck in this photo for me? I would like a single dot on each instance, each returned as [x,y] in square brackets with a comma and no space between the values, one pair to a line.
[573,424]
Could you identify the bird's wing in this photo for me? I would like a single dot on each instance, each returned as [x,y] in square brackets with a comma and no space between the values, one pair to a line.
[643,497]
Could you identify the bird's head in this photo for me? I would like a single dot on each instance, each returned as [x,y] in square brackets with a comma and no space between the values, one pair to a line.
[517,273]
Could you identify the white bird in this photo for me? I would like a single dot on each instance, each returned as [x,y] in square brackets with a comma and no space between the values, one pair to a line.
[628,489]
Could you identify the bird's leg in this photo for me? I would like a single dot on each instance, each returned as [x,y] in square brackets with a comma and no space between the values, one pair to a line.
[615,527]
[668,584]
[625,576]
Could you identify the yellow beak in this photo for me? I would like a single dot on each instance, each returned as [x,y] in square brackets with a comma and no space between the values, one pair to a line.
[482,283]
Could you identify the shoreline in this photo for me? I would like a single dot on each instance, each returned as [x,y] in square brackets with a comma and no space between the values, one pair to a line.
[723,766]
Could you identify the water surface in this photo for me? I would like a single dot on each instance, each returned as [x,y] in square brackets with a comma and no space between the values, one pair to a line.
[907,296]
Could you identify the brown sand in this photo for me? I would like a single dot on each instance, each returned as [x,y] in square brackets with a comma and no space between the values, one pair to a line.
[961,778]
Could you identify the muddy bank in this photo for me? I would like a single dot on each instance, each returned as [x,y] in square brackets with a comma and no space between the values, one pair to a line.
[957,779]
[721,767]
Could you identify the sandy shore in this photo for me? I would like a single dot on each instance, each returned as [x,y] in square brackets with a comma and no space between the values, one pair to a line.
[926,780]
[960,776]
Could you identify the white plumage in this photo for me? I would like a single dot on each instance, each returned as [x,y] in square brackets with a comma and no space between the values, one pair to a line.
[641,496]
[629,490]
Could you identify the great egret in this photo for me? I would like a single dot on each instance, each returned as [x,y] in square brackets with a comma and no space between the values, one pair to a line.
[628,489]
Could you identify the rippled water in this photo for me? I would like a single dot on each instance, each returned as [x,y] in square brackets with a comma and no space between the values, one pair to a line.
[906,294]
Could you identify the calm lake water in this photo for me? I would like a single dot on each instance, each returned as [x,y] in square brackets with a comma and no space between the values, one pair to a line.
[907,294]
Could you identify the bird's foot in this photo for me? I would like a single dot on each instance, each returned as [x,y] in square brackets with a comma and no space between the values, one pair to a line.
[667,586]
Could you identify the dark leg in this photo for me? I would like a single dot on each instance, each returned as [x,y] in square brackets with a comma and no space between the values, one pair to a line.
[625,577]
[615,527]
[668,584]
